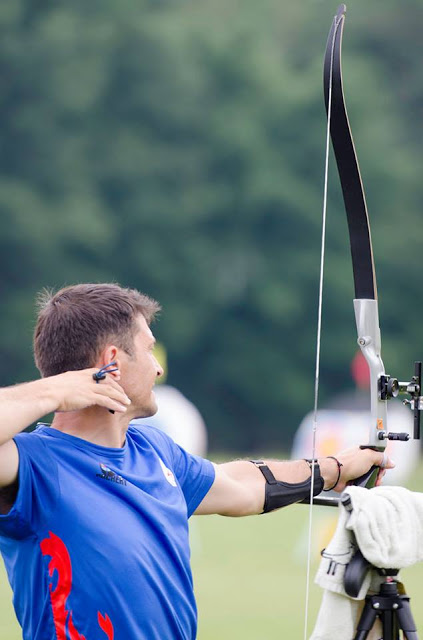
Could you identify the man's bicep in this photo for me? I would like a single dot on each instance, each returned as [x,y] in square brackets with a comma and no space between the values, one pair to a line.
[229,495]
[9,483]
[9,463]
[212,501]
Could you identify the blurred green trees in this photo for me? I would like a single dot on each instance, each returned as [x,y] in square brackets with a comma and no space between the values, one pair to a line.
[178,147]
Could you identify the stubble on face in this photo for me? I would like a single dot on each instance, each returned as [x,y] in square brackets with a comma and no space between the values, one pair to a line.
[142,371]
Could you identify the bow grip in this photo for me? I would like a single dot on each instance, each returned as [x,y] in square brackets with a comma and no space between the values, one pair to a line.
[368,479]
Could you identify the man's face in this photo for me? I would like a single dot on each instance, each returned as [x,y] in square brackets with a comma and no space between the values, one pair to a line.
[140,372]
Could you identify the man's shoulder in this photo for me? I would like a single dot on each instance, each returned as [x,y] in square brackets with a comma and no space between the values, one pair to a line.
[35,438]
[35,448]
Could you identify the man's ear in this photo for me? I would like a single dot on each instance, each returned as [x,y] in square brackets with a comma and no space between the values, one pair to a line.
[109,355]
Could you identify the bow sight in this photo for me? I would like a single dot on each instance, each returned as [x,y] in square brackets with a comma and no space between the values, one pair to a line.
[391,388]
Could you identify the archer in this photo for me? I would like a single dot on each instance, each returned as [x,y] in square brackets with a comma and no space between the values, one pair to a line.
[94,511]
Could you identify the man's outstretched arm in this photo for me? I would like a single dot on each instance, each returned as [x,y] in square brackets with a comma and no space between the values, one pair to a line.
[239,486]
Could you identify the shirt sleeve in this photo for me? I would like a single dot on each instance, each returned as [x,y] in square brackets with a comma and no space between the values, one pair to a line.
[38,489]
[194,474]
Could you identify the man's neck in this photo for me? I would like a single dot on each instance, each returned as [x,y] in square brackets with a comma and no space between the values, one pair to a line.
[95,425]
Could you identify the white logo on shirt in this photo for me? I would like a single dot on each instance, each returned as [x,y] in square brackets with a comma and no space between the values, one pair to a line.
[167,473]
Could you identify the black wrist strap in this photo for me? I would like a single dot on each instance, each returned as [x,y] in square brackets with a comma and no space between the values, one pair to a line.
[312,463]
[270,478]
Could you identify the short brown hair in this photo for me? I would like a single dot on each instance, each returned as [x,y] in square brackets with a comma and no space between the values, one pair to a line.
[74,324]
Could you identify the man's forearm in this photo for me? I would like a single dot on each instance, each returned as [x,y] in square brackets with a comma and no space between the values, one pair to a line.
[70,391]
[294,471]
[290,471]
[239,487]
[23,404]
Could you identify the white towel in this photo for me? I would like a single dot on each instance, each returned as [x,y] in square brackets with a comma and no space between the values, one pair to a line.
[386,523]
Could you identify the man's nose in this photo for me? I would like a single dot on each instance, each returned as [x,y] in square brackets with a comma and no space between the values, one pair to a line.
[159,370]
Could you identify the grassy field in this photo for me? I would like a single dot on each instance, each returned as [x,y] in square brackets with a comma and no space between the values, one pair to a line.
[249,575]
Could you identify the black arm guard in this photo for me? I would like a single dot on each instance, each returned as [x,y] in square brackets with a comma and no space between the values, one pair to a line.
[281,494]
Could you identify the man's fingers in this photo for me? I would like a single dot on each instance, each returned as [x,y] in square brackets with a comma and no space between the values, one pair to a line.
[110,394]
[77,390]
[386,462]
[380,476]
[109,403]
[114,393]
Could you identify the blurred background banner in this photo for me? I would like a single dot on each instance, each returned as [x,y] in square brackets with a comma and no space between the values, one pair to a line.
[178,147]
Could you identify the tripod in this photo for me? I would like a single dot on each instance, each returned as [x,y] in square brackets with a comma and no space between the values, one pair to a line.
[391,605]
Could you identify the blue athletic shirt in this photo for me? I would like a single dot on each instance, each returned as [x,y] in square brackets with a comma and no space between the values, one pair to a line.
[96,545]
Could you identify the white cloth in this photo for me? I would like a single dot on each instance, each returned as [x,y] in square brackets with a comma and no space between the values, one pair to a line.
[386,523]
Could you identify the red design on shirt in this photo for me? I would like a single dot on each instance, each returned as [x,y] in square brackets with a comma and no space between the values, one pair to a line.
[60,561]
[73,633]
[106,624]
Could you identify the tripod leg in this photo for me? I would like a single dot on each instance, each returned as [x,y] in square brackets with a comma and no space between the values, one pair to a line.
[366,622]
[405,619]
[389,625]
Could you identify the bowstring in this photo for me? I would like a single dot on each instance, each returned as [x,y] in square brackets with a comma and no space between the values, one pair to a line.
[319,332]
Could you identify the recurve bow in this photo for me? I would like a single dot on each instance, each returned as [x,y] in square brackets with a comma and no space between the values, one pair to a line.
[382,386]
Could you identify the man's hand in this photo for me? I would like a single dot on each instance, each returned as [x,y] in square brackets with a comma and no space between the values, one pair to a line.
[355,463]
[75,390]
